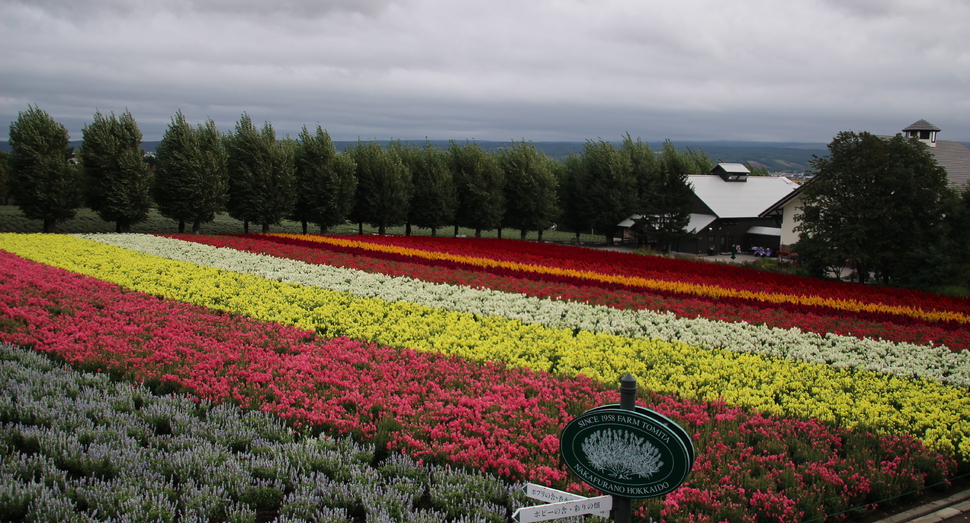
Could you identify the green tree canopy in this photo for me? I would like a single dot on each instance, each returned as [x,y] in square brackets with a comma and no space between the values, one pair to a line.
[609,189]
[479,182]
[757,170]
[531,199]
[117,180]
[664,194]
[191,177]
[326,181]
[262,184]
[574,215]
[875,203]
[4,176]
[45,186]
[434,199]
[688,161]
[383,186]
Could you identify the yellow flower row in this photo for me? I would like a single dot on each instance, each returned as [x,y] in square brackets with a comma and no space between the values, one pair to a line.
[712,291]
[937,414]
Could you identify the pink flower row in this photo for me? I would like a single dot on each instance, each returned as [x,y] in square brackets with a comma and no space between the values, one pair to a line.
[446,409]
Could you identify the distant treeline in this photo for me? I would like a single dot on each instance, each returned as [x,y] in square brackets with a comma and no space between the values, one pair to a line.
[197,171]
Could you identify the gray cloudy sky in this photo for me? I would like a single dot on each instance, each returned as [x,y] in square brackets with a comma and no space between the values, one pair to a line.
[797,70]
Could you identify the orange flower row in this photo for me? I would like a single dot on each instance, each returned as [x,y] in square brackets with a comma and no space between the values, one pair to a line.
[711,291]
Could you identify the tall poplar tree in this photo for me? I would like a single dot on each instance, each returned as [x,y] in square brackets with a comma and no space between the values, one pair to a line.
[191,177]
[118,183]
[530,189]
[664,193]
[479,182]
[434,199]
[326,181]
[383,187]
[576,215]
[4,176]
[262,184]
[609,191]
[45,186]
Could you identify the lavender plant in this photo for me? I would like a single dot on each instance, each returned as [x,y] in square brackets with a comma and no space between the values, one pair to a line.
[79,447]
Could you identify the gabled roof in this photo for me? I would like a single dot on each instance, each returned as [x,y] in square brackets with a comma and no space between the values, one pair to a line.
[699,221]
[922,125]
[740,200]
[733,168]
[777,206]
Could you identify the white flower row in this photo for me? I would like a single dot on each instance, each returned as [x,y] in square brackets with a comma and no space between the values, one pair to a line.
[903,359]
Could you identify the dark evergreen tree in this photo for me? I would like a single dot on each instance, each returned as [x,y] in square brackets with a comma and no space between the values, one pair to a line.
[689,161]
[875,202]
[575,214]
[383,187]
[531,200]
[4,176]
[262,184]
[434,199]
[756,170]
[118,182]
[326,181]
[191,177]
[957,235]
[479,183]
[45,186]
[664,197]
[610,190]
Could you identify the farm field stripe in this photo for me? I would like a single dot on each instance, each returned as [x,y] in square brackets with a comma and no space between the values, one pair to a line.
[646,283]
[655,267]
[903,359]
[897,329]
[449,409]
[937,414]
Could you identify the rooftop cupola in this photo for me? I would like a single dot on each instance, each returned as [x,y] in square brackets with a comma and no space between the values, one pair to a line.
[731,172]
[925,131]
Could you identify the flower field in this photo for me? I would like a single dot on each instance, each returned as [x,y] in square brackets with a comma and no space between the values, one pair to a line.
[804,398]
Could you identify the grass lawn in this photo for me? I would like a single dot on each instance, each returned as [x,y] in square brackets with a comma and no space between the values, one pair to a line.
[86,221]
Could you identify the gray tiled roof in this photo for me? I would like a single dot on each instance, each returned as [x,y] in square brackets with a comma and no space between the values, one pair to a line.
[922,125]
[955,158]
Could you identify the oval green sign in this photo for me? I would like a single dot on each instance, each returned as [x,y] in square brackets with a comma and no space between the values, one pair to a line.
[626,453]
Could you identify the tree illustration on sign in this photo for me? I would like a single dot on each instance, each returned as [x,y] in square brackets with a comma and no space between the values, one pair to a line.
[621,454]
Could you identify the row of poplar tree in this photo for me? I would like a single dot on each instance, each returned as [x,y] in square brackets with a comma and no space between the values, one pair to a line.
[259,179]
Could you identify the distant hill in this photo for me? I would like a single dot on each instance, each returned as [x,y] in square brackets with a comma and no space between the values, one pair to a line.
[777,157]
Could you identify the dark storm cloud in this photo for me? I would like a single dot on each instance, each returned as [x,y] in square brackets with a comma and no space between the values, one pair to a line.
[502,69]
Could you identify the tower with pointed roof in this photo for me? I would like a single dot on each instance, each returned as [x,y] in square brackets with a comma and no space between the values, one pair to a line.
[951,155]
[924,131]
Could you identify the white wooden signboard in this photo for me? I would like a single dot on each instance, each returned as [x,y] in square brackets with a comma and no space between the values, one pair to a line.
[564,505]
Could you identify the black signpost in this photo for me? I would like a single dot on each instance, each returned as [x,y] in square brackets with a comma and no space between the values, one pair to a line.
[626,451]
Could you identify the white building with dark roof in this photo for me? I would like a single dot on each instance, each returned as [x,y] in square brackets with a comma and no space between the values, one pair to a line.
[728,207]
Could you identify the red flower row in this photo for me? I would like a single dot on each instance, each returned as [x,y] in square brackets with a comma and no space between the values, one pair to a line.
[755,296]
[447,409]
[655,267]
[811,319]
